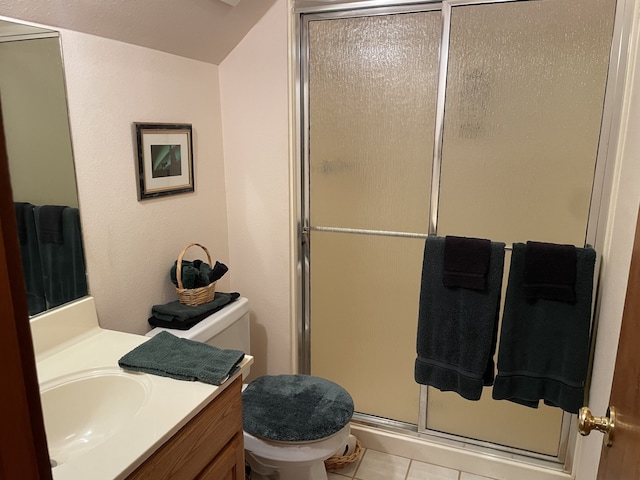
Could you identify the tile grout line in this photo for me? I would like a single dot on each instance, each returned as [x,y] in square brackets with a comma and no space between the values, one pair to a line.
[355,470]
[406,476]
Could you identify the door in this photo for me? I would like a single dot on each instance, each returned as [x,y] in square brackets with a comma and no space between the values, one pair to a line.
[621,461]
[23,447]
[372,102]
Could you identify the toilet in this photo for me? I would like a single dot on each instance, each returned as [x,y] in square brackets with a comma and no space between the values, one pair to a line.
[310,430]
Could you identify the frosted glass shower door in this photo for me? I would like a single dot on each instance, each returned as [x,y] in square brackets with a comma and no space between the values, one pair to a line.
[372,95]
[505,105]
[523,112]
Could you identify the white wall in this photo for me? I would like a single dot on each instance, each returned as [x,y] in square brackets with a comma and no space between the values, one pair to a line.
[255,92]
[131,245]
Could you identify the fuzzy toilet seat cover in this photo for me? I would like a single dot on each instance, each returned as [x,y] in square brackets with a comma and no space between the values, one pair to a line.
[295,408]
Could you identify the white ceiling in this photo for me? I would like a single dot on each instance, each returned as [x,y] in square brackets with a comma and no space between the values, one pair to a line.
[205,30]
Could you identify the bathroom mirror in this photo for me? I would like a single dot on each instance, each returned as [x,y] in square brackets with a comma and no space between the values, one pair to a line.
[36,123]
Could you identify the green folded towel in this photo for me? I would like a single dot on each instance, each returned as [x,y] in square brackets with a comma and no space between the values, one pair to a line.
[178,312]
[169,356]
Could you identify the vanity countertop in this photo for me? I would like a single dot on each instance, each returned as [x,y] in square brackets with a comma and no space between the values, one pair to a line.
[169,403]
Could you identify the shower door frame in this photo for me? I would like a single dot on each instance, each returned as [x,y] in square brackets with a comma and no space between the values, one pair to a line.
[596,221]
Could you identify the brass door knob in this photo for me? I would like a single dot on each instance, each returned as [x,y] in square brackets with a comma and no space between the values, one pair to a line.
[606,425]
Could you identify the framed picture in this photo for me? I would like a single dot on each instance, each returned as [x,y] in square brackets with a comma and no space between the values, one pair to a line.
[165,159]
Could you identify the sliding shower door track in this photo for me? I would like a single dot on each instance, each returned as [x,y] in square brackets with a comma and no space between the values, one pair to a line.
[462,443]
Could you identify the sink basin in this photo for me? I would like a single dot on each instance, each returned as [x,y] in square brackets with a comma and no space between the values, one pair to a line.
[84,409]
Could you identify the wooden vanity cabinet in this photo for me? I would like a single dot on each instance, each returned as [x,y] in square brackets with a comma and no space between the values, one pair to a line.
[209,447]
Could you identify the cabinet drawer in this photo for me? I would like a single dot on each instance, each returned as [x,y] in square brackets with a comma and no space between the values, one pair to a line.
[229,464]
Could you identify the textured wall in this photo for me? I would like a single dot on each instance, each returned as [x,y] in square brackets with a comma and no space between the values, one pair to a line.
[254,94]
[130,245]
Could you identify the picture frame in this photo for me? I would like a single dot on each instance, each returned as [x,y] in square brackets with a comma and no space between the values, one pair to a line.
[165,159]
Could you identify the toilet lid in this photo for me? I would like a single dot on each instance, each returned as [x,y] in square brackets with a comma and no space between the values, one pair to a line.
[295,408]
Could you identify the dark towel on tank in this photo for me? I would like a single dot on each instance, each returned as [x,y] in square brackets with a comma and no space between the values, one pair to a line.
[177,316]
[466,262]
[550,271]
[50,224]
[457,327]
[544,344]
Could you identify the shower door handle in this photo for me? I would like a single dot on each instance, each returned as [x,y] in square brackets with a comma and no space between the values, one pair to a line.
[606,425]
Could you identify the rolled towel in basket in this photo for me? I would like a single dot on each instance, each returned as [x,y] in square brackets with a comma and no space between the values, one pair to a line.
[217,272]
[190,274]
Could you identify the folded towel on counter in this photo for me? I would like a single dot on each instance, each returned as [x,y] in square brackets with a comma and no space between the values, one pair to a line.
[550,271]
[50,224]
[182,317]
[466,262]
[544,344]
[457,327]
[169,356]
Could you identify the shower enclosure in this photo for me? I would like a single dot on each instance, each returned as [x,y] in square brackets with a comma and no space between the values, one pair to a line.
[478,119]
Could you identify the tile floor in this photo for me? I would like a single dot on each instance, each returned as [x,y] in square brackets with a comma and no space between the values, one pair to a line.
[374,465]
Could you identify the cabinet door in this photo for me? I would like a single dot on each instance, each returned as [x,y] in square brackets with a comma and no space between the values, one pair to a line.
[228,465]
[202,439]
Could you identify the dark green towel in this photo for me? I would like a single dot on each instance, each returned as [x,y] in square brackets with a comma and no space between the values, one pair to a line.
[457,327]
[63,266]
[169,356]
[31,263]
[177,312]
[50,229]
[544,344]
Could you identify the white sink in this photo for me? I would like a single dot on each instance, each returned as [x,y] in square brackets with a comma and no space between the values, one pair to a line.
[84,409]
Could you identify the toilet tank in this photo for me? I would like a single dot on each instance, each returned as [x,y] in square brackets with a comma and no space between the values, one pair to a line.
[226,328]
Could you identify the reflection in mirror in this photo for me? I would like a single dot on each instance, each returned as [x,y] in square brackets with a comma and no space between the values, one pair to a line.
[36,123]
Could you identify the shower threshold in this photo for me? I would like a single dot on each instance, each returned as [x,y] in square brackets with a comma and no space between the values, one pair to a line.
[404,439]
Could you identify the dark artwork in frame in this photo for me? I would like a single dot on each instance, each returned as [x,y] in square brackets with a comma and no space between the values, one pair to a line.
[165,159]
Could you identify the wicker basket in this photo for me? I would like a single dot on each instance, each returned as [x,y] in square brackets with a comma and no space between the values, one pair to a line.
[337,462]
[193,296]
